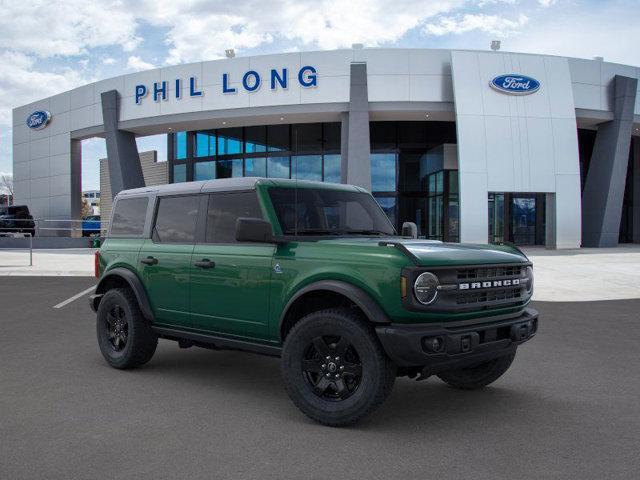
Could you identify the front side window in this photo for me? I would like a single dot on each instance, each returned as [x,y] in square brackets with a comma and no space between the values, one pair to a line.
[176,219]
[129,216]
[315,211]
[224,209]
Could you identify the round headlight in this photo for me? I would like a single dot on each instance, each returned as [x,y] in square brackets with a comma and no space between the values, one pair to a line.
[426,288]
[529,273]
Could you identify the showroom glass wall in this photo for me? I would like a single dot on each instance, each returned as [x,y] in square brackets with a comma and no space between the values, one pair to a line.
[409,179]
[308,151]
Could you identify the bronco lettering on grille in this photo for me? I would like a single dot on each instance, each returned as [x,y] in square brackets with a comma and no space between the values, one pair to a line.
[489,284]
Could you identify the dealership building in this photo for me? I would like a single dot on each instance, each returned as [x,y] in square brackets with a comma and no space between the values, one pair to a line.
[472,146]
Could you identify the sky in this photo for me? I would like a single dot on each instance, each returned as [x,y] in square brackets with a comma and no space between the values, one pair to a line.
[47,47]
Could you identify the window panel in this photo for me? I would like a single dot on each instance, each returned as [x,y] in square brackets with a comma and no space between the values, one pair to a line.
[331,133]
[278,167]
[180,146]
[224,209]
[176,219]
[278,138]
[255,167]
[306,167]
[204,170]
[229,141]
[307,137]
[255,139]
[332,167]
[383,172]
[129,216]
[180,173]
[229,168]
[205,144]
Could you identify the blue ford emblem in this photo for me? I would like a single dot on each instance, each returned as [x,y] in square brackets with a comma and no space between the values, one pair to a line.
[38,119]
[515,84]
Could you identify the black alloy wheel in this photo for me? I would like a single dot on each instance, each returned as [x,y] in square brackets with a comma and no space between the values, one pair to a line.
[332,367]
[118,327]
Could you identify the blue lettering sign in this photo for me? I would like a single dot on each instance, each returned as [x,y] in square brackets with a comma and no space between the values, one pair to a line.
[251,86]
[192,88]
[141,92]
[515,84]
[225,84]
[275,77]
[310,80]
[157,90]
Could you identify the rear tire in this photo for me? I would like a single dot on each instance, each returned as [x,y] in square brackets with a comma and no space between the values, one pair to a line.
[334,368]
[125,337]
[477,376]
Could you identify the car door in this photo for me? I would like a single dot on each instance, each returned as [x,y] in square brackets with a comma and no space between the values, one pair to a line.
[230,281]
[165,258]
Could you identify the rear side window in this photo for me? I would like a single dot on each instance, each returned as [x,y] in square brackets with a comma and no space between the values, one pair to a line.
[224,209]
[129,216]
[176,219]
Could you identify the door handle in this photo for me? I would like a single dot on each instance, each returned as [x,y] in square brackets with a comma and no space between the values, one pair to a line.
[204,263]
[149,260]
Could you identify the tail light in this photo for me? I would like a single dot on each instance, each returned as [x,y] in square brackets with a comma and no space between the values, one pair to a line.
[96,264]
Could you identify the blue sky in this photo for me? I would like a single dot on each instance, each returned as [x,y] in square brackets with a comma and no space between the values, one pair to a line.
[52,47]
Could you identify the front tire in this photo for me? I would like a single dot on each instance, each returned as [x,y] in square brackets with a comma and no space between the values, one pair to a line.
[125,337]
[477,376]
[334,368]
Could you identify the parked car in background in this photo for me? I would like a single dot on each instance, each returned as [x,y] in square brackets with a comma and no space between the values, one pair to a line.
[91,225]
[17,219]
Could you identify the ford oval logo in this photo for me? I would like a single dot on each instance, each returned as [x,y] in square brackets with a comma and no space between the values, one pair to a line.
[515,84]
[38,119]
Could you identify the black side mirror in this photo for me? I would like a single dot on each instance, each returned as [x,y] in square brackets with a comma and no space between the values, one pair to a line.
[409,229]
[253,230]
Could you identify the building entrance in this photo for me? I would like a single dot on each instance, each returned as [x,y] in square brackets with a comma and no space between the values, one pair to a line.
[517,218]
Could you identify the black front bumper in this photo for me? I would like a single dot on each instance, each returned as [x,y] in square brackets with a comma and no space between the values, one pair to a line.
[446,346]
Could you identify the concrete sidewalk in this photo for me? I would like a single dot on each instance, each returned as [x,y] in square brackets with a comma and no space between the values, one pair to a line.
[586,274]
[69,262]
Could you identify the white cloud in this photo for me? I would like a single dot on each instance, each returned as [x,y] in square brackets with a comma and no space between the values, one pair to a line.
[135,63]
[202,31]
[108,61]
[21,83]
[547,3]
[46,28]
[491,24]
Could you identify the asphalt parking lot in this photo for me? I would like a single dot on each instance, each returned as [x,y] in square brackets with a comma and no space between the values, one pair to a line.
[568,408]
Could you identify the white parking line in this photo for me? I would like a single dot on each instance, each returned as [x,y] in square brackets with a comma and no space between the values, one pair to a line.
[75,297]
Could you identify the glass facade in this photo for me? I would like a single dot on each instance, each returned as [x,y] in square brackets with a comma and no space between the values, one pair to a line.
[410,179]
[309,151]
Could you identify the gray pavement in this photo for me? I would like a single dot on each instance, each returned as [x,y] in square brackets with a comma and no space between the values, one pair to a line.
[568,408]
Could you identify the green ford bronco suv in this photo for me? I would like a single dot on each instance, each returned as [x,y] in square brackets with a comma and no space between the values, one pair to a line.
[313,273]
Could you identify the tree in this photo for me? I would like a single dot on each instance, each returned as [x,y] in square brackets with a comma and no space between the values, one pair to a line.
[86,208]
[6,186]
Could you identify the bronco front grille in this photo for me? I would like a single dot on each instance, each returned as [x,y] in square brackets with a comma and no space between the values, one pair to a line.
[489,272]
[476,288]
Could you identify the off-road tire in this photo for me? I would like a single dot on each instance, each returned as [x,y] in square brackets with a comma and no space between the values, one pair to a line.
[477,376]
[377,371]
[141,341]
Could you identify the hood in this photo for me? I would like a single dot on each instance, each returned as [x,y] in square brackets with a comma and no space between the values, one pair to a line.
[431,252]
[436,253]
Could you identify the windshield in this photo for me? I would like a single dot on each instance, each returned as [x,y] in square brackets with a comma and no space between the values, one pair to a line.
[328,212]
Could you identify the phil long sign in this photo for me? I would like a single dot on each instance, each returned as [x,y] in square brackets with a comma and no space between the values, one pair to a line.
[515,84]
[250,81]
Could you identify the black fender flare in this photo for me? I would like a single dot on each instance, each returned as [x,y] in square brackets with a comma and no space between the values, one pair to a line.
[362,299]
[134,283]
